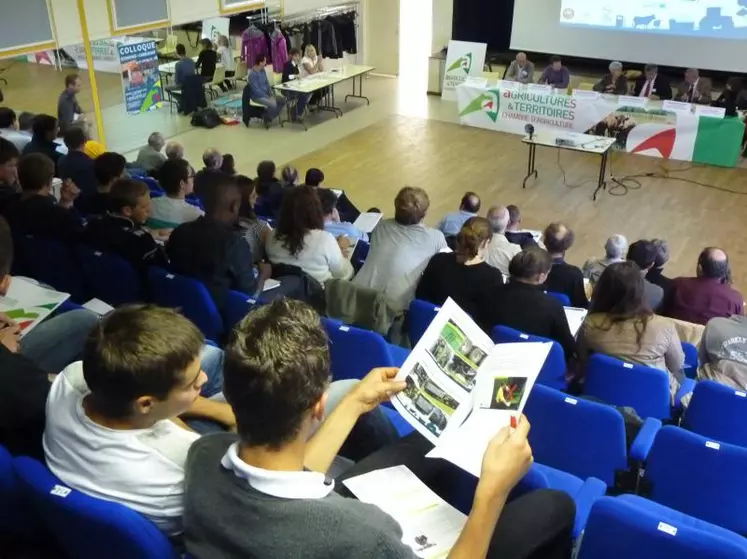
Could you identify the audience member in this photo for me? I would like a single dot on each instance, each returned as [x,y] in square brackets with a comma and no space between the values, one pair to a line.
[262,93]
[514,233]
[656,274]
[269,189]
[9,186]
[523,305]
[621,324]
[120,230]
[177,180]
[346,208]
[76,165]
[111,429]
[520,70]
[26,123]
[45,131]
[723,351]
[183,68]
[563,278]
[332,222]
[204,178]
[463,274]
[300,239]
[150,156]
[68,109]
[256,230]
[174,150]
[469,207]
[291,71]
[36,212]
[212,249]
[9,129]
[556,74]
[614,82]
[229,165]
[289,176]
[207,60]
[401,249]
[652,85]
[501,250]
[108,168]
[615,250]
[25,364]
[643,253]
[274,471]
[707,295]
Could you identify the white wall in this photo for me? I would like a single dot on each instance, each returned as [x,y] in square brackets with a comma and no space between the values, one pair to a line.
[67,22]
[188,11]
[443,13]
[97,16]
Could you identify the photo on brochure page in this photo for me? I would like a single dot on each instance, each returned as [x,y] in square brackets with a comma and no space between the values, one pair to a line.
[457,356]
[425,401]
[507,393]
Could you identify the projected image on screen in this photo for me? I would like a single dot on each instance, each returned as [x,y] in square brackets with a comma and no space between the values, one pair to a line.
[721,19]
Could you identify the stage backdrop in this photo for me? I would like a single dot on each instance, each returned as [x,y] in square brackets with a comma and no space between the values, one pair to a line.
[649,131]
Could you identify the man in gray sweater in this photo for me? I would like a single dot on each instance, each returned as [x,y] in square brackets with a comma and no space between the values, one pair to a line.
[264,493]
[521,70]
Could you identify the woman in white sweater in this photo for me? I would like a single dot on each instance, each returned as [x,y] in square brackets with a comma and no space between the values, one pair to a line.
[300,239]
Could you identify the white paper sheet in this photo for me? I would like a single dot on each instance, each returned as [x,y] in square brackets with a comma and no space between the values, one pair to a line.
[98,306]
[270,284]
[367,221]
[430,526]
[575,317]
[28,304]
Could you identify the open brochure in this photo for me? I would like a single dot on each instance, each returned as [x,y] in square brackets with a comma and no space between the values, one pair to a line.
[367,221]
[430,526]
[28,303]
[462,388]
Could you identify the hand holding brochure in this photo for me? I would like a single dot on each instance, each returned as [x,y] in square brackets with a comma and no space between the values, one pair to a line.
[28,304]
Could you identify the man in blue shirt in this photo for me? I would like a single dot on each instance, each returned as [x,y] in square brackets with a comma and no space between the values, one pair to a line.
[183,68]
[452,223]
[261,92]
[332,223]
[556,74]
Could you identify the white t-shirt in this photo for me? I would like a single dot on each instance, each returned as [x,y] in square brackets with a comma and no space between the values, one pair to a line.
[173,211]
[397,259]
[142,469]
[226,58]
[320,256]
[304,61]
[501,252]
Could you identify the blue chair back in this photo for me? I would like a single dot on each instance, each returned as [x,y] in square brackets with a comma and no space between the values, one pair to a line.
[583,438]
[616,382]
[153,185]
[189,295]
[360,254]
[109,277]
[553,371]
[85,527]
[562,297]
[718,412]
[354,351]
[51,262]
[617,529]
[419,317]
[699,476]
[691,360]
[8,492]
[238,306]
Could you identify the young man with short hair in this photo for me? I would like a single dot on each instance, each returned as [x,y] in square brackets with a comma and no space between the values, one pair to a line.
[111,430]
[184,67]
[177,179]
[9,186]
[121,231]
[68,109]
[76,165]
[44,133]
[9,128]
[345,207]
[332,220]
[265,493]
[108,168]
[291,72]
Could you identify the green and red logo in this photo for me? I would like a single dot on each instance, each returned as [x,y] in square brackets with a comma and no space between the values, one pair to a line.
[464,62]
[487,102]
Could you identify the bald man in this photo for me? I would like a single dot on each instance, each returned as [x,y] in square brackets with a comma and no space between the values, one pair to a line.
[207,176]
[563,277]
[706,296]
[520,70]
[468,207]
[695,89]
[501,250]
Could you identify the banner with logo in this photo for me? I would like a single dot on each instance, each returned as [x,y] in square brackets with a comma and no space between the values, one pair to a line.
[649,130]
[463,59]
[141,80]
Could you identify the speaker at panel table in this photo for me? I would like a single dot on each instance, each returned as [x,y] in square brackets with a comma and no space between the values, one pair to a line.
[720,19]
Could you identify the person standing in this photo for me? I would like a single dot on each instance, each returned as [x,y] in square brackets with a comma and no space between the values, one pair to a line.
[520,70]
[261,92]
[225,55]
[68,109]
[207,60]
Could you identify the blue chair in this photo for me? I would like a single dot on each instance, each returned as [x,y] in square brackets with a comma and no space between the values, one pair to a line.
[188,295]
[51,262]
[8,492]
[109,277]
[553,371]
[419,317]
[238,306]
[360,254]
[86,527]
[698,476]
[718,412]
[584,438]
[562,297]
[642,388]
[153,185]
[629,526]
[691,360]
[354,351]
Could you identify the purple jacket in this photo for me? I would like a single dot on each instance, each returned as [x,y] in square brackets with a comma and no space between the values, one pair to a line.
[253,43]
[279,51]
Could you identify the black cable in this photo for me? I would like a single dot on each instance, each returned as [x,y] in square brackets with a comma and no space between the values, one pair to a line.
[565,182]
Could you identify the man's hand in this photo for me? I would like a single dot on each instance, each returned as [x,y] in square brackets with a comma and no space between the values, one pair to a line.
[375,388]
[69,191]
[505,462]
[9,336]
[265,270]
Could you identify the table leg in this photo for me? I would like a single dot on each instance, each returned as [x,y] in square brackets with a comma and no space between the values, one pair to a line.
[328,103]
[601,183]
[531,170]
[359,95]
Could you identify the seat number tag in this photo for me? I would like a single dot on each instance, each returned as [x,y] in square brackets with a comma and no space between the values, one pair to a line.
[713,445]
[667,528]
[60,491]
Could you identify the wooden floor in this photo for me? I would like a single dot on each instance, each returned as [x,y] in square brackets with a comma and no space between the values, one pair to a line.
[448,159]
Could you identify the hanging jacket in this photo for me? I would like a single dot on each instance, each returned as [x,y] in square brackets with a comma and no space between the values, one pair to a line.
[253,43]
[279,51]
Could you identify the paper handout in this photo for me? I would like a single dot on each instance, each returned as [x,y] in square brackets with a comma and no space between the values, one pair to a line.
[28,304]
[367,221]
[575,318]
[430,526]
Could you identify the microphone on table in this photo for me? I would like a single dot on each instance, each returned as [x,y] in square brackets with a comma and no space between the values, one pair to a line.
[529,129]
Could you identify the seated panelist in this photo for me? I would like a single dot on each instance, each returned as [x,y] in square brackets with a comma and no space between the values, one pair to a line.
[556,74]
[613,82]
[652,84]
[695,89]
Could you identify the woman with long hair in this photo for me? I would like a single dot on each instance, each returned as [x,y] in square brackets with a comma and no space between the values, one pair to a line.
[255,230]
[300,239]
[621,324]
[463,274]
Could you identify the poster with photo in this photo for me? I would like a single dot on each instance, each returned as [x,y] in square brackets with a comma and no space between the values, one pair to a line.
[141,80]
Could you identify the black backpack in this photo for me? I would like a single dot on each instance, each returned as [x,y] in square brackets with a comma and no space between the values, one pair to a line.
[206,118]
